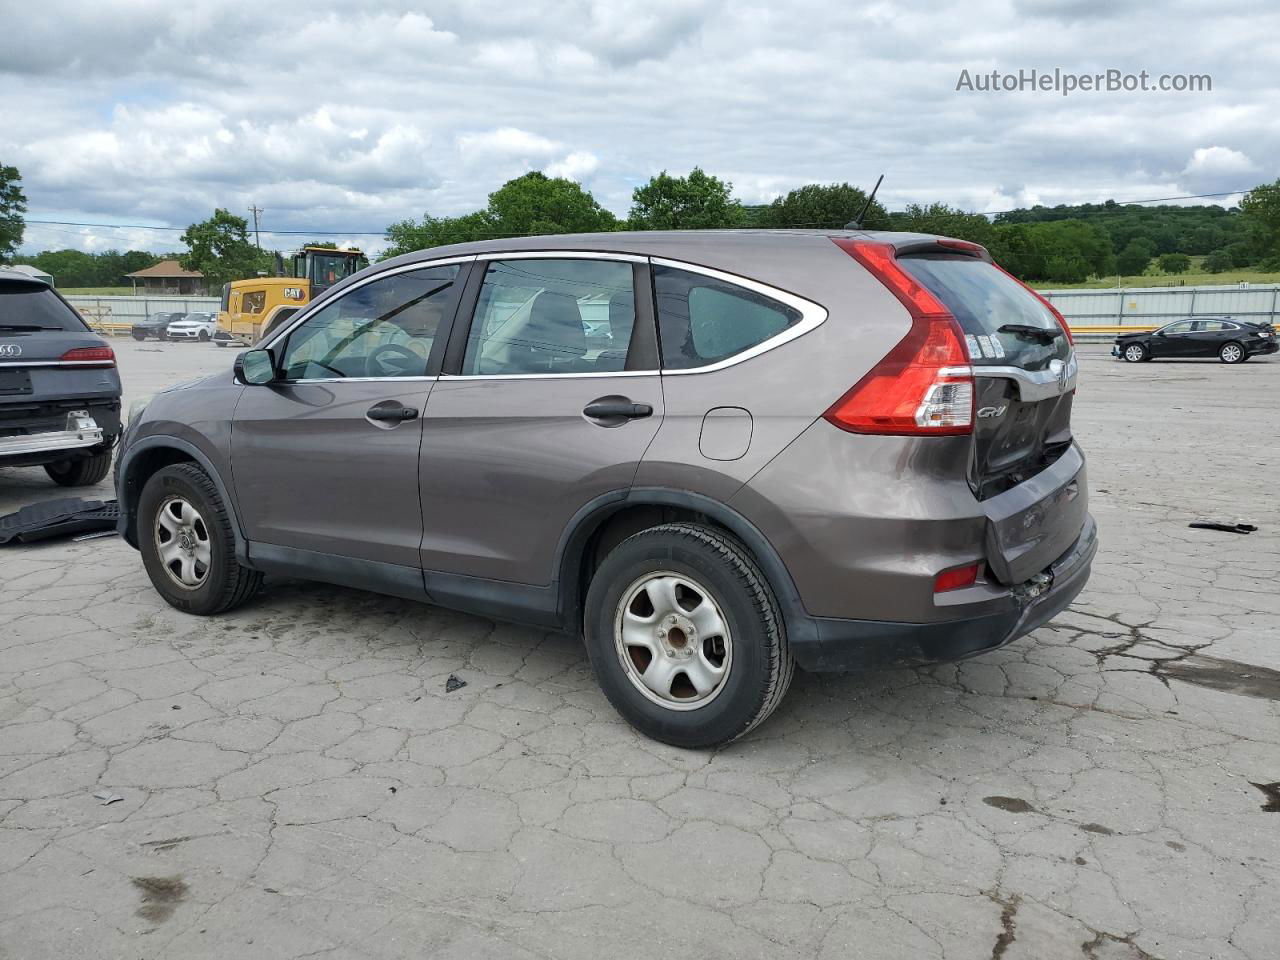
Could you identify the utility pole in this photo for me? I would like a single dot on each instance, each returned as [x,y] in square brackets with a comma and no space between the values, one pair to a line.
[256,210]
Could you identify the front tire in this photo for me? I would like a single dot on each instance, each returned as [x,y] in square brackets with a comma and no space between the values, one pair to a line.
[204,336]
[84,472]
[1232,352]
[685,636]
[1135,353]
[187,543]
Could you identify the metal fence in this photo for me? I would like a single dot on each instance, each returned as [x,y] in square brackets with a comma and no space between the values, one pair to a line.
[129,309]
[1156,306]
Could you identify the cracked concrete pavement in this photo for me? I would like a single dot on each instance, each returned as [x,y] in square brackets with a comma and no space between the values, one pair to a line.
[298,783]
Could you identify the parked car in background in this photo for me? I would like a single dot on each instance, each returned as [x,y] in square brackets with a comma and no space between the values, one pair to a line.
[766,449]
[1231,341]
[193,326]
[156,325]
[59,388]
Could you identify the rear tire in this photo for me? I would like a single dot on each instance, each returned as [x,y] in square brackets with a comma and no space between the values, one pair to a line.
[1135,353]
[666,678]
[205,579]
[1232,352]
[80,473]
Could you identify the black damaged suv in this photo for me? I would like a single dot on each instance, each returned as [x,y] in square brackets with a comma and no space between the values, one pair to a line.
[59,387]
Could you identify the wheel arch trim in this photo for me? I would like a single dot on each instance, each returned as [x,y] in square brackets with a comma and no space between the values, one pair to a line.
[128,501]
[570,551]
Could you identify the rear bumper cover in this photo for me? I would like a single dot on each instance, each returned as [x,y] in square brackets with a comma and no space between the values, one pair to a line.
[837,645]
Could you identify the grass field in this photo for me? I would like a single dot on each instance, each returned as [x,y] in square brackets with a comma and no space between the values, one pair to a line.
[1195,277]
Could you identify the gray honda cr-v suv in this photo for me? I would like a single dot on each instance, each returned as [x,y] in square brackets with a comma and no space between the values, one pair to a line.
[713,455]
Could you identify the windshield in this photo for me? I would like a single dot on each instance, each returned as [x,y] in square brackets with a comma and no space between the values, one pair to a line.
[33,306]
[1001,319]
[327,269]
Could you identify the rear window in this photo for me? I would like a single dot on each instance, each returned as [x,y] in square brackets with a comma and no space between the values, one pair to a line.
[33,306]
[702,320]
[983,300]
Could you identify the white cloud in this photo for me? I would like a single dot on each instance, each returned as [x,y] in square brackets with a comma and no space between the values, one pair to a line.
[356,116]
[579,165]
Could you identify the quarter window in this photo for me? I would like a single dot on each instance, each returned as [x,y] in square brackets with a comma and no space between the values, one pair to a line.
[380,329]
[552,317]
[703,320]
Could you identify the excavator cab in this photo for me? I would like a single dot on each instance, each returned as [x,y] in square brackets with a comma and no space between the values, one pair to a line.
[253,308]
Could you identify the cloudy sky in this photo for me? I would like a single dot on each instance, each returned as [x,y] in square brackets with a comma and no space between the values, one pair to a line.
[347,116]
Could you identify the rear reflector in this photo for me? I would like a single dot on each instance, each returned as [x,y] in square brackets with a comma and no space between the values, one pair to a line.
[90,356]
[924,385]
[957,578]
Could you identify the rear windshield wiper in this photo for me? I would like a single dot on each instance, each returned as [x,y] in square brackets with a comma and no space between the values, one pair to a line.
[25,326]
[1038,334]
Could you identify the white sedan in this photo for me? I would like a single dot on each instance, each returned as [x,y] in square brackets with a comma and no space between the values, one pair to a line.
[193,326]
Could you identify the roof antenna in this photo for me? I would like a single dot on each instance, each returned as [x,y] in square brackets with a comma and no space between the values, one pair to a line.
[856,222]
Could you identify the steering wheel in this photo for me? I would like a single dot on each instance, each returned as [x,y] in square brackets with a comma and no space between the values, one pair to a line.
[393,360]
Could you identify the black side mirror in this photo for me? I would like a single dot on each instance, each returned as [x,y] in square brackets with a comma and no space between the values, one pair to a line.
[255,367]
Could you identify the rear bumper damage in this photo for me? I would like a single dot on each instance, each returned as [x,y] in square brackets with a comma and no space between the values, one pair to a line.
[57,431]
[838,645]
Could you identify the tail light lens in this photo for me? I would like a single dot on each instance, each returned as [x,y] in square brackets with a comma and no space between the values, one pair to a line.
[95,356]
[924,386]
[1062,322]
[957,578]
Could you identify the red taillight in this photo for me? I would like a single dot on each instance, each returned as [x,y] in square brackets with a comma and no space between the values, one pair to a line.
[95,356]
[956,579]
[1062,322]
[924,386]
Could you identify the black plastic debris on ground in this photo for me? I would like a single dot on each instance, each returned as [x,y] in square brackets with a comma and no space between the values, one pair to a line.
[453,683]
[1224,527]
[58,518]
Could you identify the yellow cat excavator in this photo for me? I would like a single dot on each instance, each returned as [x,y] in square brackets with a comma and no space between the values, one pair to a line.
[253,308]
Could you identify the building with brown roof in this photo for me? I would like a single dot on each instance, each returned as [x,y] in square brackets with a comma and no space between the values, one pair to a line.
[168,277]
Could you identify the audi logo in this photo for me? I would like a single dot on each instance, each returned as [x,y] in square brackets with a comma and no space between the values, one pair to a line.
[10,350]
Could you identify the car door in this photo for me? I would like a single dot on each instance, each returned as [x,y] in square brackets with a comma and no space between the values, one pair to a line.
[326,459]
[1174,340]
[549,398]
[1210,335]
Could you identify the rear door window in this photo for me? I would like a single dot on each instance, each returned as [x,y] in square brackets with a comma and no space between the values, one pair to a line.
[984,300]
[703,320]
[33,306]
[539,317]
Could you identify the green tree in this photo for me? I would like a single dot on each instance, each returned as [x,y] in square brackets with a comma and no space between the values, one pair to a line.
[1173,263]
[823,206]
[528,205]
[1011,246]
[1218,262]
[406,236]
[1133,260]
[13,204]
[696,202]
[945,221]
[221,250]
[1261,211]
[1067,269]
[537,204]
[69,268]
